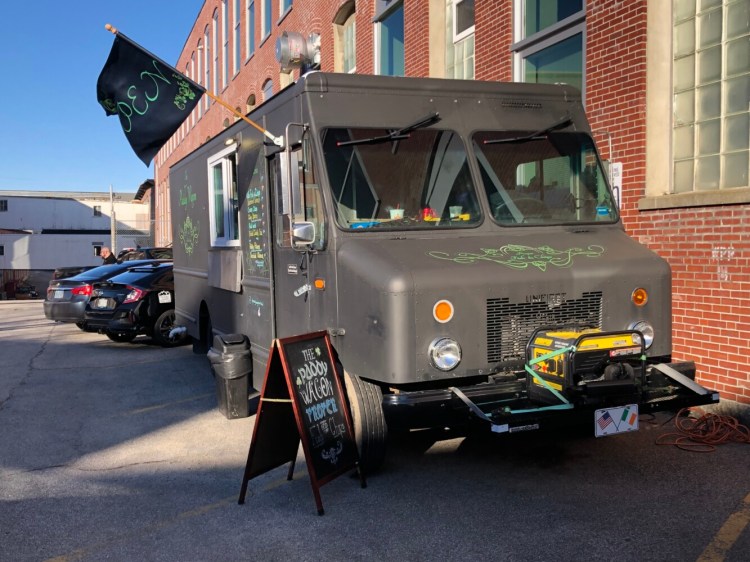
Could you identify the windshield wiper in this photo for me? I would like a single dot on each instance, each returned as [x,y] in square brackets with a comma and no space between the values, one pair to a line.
[559,124]
[398,134]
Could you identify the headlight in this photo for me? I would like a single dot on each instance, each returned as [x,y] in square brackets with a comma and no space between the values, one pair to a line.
[444,353]
[646,329]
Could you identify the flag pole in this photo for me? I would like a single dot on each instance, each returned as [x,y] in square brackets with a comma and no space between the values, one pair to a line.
[278,141]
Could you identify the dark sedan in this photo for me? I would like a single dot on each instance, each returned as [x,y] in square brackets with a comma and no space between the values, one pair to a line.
[139,301]
[67,298]
[145,254]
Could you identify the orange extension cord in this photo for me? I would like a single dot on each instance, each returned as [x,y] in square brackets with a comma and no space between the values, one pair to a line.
[702,434]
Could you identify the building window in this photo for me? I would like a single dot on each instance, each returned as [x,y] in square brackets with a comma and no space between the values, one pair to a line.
[215,50]
[224,43]
[97,210]
[250,29]
[223,199]
[199,75]
[550,41]
[463,19]
[207,64]
[265,29]
[459,59]
[344,38]
[284,7]
[197,79]
[236,37]
[267,89]
[3,205]
[711,89]
[390,40]
[2,250]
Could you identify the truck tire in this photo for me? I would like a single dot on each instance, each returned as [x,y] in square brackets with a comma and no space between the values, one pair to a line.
[370,430]
[163,325]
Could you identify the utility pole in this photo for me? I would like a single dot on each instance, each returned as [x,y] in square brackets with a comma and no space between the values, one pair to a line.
[112,221]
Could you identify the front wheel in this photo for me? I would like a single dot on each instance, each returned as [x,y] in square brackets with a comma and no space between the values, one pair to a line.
[370,430]
[163,326]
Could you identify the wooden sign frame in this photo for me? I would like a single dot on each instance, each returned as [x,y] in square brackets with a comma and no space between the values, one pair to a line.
[308,406]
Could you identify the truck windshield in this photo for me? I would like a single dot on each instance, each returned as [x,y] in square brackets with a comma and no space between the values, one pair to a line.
[416,180]
[553,178]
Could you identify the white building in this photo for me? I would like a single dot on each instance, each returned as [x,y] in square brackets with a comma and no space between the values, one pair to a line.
[43,230]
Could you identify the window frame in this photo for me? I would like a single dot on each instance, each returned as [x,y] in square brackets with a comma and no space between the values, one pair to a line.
[660,192]
[266,19]
[236,37]
[524,47]
[249,29]
[345,26]
[224,43]
[215,48]
[381,18]
[460,36]
[227,159]
[207,64]
[284,7]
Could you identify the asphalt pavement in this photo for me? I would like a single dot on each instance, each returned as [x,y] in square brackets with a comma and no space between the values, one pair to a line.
[118,452]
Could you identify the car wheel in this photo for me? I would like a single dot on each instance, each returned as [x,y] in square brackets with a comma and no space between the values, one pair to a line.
[81,325]
[163,326]
[121,338]
[370,430]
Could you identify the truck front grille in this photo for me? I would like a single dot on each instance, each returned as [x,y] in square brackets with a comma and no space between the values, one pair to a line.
[510,325]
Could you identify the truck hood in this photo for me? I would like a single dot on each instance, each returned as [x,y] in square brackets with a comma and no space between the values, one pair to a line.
[502,287]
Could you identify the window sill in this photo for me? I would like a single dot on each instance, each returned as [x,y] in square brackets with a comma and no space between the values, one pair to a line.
[284,15]
[696,199]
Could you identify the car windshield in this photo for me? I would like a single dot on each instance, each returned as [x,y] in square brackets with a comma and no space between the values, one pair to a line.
[545,178]
[414,180]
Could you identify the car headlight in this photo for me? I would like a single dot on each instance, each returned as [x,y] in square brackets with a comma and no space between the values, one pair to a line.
[646,329]
[444,353]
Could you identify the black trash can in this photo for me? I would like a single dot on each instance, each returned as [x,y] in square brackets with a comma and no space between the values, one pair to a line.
[232,366]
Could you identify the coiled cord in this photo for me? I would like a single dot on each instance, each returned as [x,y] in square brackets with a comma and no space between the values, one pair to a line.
[703,433]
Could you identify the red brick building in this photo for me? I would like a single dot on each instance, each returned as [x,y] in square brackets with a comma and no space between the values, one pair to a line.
[667,90]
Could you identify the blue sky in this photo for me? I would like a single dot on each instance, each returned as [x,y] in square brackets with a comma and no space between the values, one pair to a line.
[54,136]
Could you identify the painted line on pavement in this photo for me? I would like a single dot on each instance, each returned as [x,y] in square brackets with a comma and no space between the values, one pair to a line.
[723,541]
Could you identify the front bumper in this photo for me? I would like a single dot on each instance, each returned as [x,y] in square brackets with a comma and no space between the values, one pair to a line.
[506,401]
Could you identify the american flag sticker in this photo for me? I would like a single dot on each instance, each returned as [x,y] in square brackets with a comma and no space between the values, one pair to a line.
[605,420]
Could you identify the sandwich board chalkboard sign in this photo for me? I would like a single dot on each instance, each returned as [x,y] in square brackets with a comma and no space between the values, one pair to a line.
[302,400]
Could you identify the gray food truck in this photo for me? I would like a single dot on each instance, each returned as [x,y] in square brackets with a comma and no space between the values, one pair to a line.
[458,241]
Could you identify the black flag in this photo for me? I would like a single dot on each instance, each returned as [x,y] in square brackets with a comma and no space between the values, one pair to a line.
[151,98]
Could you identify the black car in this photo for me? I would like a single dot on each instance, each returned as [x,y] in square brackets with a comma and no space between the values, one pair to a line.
[67,298]
[139,301]
[155,253]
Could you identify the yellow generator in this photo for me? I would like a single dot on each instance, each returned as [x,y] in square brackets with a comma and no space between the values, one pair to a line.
[576,363]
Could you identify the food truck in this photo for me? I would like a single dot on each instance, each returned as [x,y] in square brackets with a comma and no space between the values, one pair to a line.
[457,240]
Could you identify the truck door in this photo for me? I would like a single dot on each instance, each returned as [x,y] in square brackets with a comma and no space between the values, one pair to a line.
[305,295]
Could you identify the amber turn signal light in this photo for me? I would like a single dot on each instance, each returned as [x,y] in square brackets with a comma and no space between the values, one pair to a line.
[442,311]
[639,297]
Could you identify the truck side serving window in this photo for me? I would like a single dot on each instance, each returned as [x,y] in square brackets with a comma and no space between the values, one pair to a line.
[311,207]
[223,199]
[554,178]
[417,180]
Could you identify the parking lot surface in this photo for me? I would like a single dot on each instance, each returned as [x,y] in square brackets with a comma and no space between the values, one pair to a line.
[117,452]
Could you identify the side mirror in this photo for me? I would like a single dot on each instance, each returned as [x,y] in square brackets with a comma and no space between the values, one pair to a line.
[303,233]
